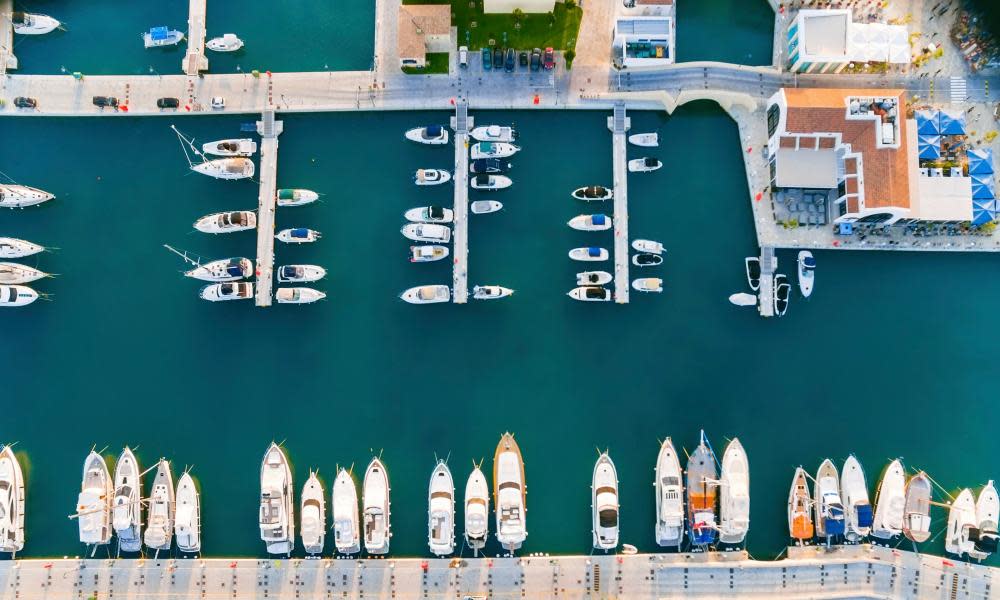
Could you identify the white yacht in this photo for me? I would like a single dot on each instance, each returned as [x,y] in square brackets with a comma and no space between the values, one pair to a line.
[669,487]
[15,248]
[160,529]
[32,23]
[16,295]
[644,140]
[510,494]
[376,508]
[987,509]
[493,133]
[604,504]
[593,193]
[829,507]
[227,222]
[300,273]
[93,505]
[187,518]
[428,253]
[295,197]
[431,177]
[223,292]
[11,502]
[126,516]
[312,515]
[591,253]
[427,294]
[429,214]
[346,528]
[434,135]
[233,147]
[917,510]
[734,495]
[807,272]
[648,284]
[158,37]
[21,196]
[743,299]
[427,232]
[644,165]
[962,525]
[593,278]
[648,246]
[493,150]
[598,222]
[854,493]
[298,295]
[441,511]
[277,503]
[590,293]
[14,273]
[490,292]
[477,510]
[484,207]
[226,269]
[490,182]
[235,167]
[298,235]
[227,42]
[889,502]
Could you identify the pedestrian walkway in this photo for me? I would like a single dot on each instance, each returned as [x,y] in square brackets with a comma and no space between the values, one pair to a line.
[195,60]
[461,123]
[768,264]
[959,90]
[269,130]
[7,58]
[619,124]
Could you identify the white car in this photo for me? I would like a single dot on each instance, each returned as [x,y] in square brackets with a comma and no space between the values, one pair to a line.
[463,56]
[218,102]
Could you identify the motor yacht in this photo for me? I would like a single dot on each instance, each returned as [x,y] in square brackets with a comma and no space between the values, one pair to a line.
[490,182]
[829,521]
[428,253]
[493,133]
[427,232]
[604,504]
[593,193]
[890,501]
[427,294]
[734,495]
[16,296]
[277,510]
[298,295]
[376,508]
[743,299]
[434,135]
[644,140]
[483,150]
[590,293]
[648,284]
[429,214]
[11,502]
[300,273]
[647,260]
[227,222]
[222,292]
[160,529]
[234,147]
[598,222]
[483,207]
[477,510]
[987,509]
[227,269]
[298,235]
[490,292]
[295,197]
[807,272]
[753,272]
[126,514]
[346,524]
[227,42]
[158,37]
[431,177]
[669,486]
[32,23]
[647,246]
[644,165]
[962,526]
[857,508]
[187,517]
[510,494]
[593,278]
[702,490]
[591,253]
[312,515]
[441,511]
[93,505]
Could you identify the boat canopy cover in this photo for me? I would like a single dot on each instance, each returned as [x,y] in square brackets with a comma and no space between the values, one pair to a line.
[809,262]
[980,161]
[435,212]
[598,219]
[289,271]
[646,259]
[433,131]
[300,232]
[596,292]
[986,544]
[18,18]
[159,33]
[482,179]
[230,146]
[592,251]
[608,517]
[651,162]
[594,191]
[235,269]
[865,515]
[834,526]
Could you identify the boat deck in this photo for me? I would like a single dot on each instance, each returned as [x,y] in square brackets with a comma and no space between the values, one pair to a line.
[461,123]
[269,130]
[7,58]
[619,124]
[768,264]
[195,60]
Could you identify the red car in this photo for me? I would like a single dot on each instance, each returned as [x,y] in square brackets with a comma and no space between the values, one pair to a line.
[549,61]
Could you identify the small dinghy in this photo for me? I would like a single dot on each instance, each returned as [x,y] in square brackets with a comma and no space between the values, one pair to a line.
[490,292]
[493,133]
[648,284]
[12,499]
[227,269]
[589,254]
[489,166]
[126,516]
[598,222]
[227,222]
[593,278]
[33,23]
[427,232]
[477,510]
[493,150]
[429,214]
[629,549]
[604,503]
[298,295]
[227,42]
[157,37]
[490,182]
[187,517]
[15,248]
[427,294]
[296,197]
[484,207]
[234,147]
[428,253]
[441,511]
[346,525]
[375,508]
[646,260]
[647,246]
[590,293]
[21,196]
[743,299]
[431,177]
[645,140]
[807,272]
[16,295]
[221,292]
[299,235]
[300,273]
[644,165]
[434,135]
[159,533]
[13,273]
[752,264]
[237,167]
[593,193]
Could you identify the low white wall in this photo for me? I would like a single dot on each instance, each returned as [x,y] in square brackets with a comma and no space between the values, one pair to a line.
[528,6]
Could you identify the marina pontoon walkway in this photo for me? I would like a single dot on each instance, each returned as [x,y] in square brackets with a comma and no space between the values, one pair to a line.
[768,263]
[7,58]
[269,130]
[461,123]
[195,60]
[619,124]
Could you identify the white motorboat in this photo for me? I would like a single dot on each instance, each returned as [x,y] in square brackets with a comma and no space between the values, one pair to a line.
[593,278]
[593,193]
[917,510]
[33,23]
[743,299]
[227,222]
[782,292]
[441,511]
[427,232]
[298,235]
[277,510]
[854,493]
[734,494]
[598,222]
[295,197]
[490,292]
[648,284]
[187,517]
[15,248]
[427,294]
[477,510]
[298,295]
[644,140]
[647,246]
[590,293]
[222,292]
[160,528]
[987,510]
[483,207]
[312,515]
[647,260]
[14,273]
[590,254]
[800,523]
[489,165]
[644,165]
[493,150]
[346,528]
[702,491]
[829,507]
[510,494]
[235,147]
[490,182]
[126,516]
[300,273]
[752,264]
[158,37]
[431,177]
[227,269]
[434,135]
[11,502]
[93,505]
[234,167]
[376,508]
[227,42]
[429,214]
[962,525]
[16,295]
[493,133]
[890,500]
[807,272]
[428,253]
[21,196]
[669,487]
[604,504]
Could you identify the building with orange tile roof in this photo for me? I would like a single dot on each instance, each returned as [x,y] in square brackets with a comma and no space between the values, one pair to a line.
[422,28]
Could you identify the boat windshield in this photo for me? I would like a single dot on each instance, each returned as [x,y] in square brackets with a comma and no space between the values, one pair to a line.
[608,517]
[595,292]
[435,212]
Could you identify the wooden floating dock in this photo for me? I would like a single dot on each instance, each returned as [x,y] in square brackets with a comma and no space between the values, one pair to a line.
[269,130]
[195,60]
[7,58]
[461,123]
[619,124]
[768,264]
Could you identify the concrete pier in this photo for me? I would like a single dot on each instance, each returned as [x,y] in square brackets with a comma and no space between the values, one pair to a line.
[619,124]
[461,123]
[768,264]
[195,60]
[269,130]
[7,58]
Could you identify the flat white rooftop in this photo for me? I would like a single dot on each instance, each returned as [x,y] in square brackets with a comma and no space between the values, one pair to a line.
[806,168]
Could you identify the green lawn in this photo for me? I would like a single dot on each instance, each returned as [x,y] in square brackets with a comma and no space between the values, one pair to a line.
[476,29]
[437,63]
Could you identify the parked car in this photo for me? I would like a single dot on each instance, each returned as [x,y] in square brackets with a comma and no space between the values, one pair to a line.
[550,59]
[22,102]
[487,59]
[511,62]
[497,58]
[218,102]
[523,58]
[106,101]
[536,59]
[463,56]
[168,103]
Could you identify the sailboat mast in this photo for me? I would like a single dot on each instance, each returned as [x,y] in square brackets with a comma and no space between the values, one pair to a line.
[192,262]
[183,140]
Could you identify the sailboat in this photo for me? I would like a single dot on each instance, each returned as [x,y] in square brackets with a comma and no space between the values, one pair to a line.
[734,500]
[126,516]
[441,511]
[800,523]
[277,513]
[93,505]
[854,493]
[889,502]
[829,507]
[15,248]
[231,167]
[604,504]
[962,525]
[702,480]
[477,509]
[187,518]
[15,273]
[11,502]
[160,529]
[510,494]
[376,511]
[21,196]
[669,496]
[987,509]
[346,532]
[917,509]
[313,515]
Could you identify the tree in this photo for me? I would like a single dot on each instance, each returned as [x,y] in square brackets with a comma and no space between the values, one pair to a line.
[570,4]
[569,55]
[552,18]
[518,15]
